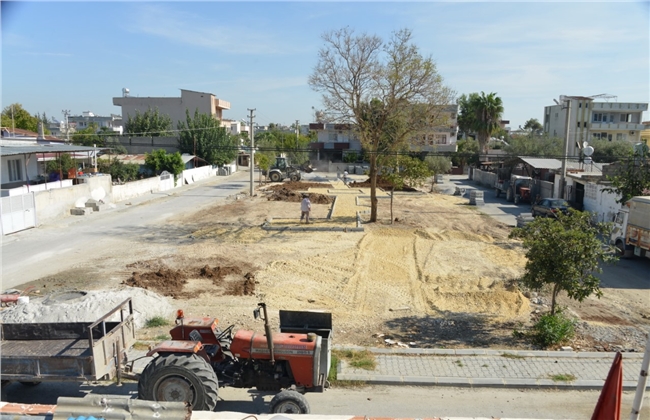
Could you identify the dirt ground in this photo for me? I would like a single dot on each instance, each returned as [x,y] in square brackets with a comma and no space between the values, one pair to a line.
[441,275]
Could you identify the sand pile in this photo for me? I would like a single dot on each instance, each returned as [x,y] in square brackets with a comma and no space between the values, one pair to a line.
[81,306]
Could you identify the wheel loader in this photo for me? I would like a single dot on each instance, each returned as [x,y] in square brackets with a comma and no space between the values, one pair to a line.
[200,358]
[282,170]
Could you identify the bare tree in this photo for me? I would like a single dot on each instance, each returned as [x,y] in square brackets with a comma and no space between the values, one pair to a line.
[387,90]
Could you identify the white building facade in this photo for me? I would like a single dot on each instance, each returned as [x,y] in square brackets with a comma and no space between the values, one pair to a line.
[588,119]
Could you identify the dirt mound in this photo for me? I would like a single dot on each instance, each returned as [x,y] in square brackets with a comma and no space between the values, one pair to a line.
[164,281]
[298,186]
[242,288]
[172,282]
[285,194]
[381,183]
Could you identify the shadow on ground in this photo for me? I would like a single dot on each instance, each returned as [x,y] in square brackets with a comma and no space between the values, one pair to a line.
[455,330]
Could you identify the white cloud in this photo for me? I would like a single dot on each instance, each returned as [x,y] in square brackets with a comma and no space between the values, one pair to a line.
[192,29]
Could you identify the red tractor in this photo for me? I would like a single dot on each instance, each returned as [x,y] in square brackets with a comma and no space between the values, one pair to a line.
[200,358]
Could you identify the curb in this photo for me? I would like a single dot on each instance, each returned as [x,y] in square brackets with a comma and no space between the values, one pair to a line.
[491,352]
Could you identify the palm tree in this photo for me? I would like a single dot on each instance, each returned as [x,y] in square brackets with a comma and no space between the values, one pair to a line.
[488,109]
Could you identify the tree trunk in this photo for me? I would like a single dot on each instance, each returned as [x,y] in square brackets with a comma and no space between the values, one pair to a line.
[433,181]
[556,290]
[373,188]
[392,192]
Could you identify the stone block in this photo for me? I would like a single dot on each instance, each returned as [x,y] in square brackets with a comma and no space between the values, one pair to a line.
[80,211]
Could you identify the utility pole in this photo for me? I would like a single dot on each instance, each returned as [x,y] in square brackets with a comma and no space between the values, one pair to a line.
[297,133]
[566,149]
[66,112]
[251,162]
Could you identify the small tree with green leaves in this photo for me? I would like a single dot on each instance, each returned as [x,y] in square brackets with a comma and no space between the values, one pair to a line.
[159,160]
[118,169]
[437,165]
[402,170]
[62,164]
[564,253]
[632,178]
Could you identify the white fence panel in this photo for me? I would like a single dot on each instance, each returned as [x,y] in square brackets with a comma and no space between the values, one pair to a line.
[18,213]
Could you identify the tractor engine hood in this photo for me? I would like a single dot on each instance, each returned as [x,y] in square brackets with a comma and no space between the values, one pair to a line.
[253,345]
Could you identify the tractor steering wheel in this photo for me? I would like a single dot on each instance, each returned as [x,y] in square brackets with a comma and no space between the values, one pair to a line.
[226,333]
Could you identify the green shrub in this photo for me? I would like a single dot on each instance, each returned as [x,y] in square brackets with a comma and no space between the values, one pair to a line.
[156,321]
[553,329]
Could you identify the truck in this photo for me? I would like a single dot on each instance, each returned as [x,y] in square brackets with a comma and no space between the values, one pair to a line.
[516,187]
[631,232]
[32,353]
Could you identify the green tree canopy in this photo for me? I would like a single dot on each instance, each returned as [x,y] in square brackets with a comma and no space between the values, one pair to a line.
[437,165]
[150,123]
[62,164]
[467,151]
[21,118]
[404,170]
[212,142]
[159,160]
[540,146]
[87,137]
[388,90]
[533,125]
[564,253]
[275,142]
[610,151]
[119,170]
[632,176]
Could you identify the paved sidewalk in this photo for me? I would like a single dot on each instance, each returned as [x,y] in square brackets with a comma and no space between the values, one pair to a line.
[492,368]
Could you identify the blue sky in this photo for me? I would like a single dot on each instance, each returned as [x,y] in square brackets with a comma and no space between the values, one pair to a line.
[79,55]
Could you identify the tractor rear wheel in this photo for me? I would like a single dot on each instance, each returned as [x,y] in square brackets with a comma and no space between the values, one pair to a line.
[289,402]
[275,177]
[180,377]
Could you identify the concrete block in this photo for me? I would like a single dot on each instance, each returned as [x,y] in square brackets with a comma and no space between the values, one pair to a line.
[80,211]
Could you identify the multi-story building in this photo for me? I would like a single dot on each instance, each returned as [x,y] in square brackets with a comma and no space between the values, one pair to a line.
[176,108]
[439,138]
[588,119]
[83,121]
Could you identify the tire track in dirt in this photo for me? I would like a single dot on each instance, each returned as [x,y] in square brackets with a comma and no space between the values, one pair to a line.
[385,276]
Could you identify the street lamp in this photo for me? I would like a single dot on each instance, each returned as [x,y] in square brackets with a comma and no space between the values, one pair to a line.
[566,144]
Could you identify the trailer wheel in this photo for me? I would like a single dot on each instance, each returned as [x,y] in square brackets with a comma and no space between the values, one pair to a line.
[289,402]
[180,377]
[509,194]
[30,383]
[275,176]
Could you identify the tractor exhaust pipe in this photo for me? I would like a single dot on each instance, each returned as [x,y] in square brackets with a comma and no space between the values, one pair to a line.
[267,328]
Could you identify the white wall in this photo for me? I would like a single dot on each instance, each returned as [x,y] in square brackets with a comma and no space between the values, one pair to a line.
[135,189]
[601,204]
[56,203]
[28,168]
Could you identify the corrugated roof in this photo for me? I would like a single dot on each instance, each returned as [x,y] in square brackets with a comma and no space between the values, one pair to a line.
[44,148]
[540,163]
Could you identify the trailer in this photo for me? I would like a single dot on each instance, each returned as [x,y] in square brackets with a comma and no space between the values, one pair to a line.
[68,351]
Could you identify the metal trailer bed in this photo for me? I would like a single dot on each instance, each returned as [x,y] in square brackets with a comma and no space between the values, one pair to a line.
[68,351]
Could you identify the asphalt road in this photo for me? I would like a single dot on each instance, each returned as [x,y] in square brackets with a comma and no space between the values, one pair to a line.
[36,253]
[375,401]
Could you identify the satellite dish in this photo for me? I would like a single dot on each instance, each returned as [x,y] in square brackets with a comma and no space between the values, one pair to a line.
[588,151]
[585,144]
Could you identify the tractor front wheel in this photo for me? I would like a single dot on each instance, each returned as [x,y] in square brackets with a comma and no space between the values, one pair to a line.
[295,177]
[180,377]
[275,177]
[291,402]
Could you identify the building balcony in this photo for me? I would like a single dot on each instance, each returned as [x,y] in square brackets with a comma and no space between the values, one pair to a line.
[619,106]
[221,104]
[594,126]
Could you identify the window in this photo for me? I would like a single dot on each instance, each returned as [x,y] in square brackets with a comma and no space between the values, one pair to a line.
[333,137]
[15,173]
[578,124]
[621,137]
[584,124]
[598,117]
[626,117]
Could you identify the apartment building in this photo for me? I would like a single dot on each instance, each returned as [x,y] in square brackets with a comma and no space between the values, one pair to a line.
[590,119]
[175,107]
[87,118]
